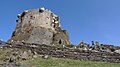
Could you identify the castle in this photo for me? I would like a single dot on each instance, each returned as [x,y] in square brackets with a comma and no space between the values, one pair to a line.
[39,32]
[40,26]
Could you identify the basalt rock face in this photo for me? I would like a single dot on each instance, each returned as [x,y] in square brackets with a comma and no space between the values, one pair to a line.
[40,26]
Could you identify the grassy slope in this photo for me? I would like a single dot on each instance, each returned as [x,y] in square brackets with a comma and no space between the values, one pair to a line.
[58,62]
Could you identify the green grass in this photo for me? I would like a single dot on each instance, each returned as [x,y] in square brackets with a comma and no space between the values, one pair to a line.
[58,62]
[4,53]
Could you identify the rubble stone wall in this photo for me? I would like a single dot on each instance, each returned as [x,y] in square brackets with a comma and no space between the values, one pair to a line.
[79,54]
[72,53]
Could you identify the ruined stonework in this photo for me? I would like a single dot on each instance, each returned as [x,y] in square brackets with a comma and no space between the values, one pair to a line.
[40,26]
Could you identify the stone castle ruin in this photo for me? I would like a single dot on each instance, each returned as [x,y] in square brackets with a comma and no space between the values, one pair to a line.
[40,26]
[38,31]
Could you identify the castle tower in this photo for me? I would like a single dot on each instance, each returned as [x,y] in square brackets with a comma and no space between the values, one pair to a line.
[39,26]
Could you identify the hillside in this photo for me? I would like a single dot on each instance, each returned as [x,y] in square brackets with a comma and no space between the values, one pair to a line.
[59,62]
[49,61]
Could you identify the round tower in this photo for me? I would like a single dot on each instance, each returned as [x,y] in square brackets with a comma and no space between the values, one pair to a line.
[38,26]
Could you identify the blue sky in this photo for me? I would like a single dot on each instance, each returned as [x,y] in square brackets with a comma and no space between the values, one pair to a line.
[88,20]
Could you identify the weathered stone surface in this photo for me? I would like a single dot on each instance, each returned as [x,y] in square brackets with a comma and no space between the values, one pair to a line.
[38,26]
[71,53]
[66,33]
[24,55]
[41,35]
[117,51]
[45,56]
[61,38]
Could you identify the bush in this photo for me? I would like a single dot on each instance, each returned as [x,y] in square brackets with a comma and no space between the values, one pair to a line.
[112,49]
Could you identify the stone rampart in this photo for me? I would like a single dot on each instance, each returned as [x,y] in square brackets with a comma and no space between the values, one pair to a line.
[71,53]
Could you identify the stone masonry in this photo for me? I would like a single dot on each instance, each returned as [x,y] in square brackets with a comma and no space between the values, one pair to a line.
[68,52]
[40,26]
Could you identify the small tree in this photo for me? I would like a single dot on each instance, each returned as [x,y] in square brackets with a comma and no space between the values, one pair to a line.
[112,49]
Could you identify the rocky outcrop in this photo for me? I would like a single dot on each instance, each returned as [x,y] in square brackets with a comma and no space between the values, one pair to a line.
[40,26]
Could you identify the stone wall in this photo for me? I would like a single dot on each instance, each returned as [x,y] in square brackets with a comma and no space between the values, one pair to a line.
[44,37]
[70,53]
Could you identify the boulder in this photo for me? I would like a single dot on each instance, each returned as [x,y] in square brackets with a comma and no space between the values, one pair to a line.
[117,51]
[24,55]
[45,56]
